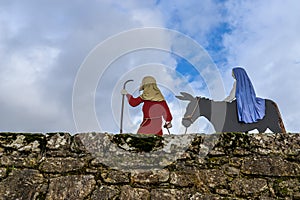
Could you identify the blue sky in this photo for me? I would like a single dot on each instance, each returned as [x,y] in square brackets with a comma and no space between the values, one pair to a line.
[44,43]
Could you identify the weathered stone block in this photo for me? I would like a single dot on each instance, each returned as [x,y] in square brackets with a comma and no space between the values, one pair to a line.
[270,166]
[120,152]
[287,188]
[23,142]
[62,165]
[200,196]
[2,172]
[243,187]
[127,192]
[186,178]
[168,194]
[27,161]
[115,176]
[24,184]
[73,187]
[150,177]
[213,178]
[58,141]
[106,192]
[231,171]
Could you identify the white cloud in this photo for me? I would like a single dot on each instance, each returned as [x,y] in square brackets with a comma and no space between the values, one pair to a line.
[42,45]
[21,90]
[195,18]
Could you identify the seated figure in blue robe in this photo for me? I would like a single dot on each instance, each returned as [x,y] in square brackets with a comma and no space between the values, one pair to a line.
[250,108]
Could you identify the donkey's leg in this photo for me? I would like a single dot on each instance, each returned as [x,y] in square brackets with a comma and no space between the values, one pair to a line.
[261,126]
[275,127]
[278,124]
[261,129]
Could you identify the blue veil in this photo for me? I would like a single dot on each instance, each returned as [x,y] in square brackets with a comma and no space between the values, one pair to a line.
[250,108]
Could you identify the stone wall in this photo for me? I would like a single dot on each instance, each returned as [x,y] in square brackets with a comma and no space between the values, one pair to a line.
[95,166]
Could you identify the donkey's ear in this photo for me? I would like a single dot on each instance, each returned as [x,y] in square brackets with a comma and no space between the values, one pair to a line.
[181,98]
[185,96]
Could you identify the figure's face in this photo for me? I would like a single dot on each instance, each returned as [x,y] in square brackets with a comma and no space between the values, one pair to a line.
[191,114]
[141,88]
[233,74]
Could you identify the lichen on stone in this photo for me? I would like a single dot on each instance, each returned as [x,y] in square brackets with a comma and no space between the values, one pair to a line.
[138,143]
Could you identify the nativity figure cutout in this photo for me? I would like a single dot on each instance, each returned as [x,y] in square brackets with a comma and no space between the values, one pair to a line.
[155,107]
[244,111]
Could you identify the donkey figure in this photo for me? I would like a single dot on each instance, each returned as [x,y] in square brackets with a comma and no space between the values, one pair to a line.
[223,115]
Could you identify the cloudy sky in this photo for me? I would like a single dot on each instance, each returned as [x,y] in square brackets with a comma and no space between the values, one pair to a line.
[46,46]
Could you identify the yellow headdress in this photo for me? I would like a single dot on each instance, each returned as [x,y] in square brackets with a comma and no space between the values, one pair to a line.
[150,90]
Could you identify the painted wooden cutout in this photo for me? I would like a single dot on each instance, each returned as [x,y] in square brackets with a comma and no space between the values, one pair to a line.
[200,106]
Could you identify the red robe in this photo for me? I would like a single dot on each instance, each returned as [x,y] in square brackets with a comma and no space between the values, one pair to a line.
[153,112]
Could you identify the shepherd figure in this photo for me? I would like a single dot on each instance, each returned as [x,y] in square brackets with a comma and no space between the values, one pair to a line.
[155,108]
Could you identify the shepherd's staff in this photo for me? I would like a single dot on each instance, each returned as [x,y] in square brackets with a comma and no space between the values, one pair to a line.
[166,126]
[122,108]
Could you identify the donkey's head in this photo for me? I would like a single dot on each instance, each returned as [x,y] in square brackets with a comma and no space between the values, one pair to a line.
[192,109]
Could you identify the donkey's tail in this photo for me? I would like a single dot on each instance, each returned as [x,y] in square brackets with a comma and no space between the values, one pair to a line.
[280,121]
